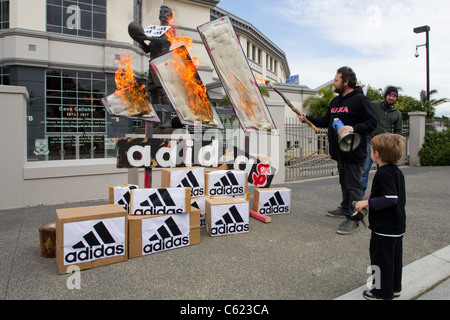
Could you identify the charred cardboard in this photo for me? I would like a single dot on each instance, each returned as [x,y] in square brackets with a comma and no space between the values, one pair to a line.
[136,247]
[154,201]
[226,216]
[89,237]
[191,177]
[272,200]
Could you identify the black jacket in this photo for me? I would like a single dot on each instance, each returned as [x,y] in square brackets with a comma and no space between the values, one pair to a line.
[354,110]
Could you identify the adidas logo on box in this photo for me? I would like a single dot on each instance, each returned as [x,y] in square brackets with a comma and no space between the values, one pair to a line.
[121,195]
[152,234]
[226,182]
[226,216]
[90,236]
[160,201]
[191,177]
[272,200]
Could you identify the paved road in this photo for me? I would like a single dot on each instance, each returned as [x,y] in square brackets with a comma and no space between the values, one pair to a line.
[298,256]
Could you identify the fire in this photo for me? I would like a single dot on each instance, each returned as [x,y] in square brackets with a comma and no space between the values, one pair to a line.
[246,99]
[133,95]
[198,101]
[175,38]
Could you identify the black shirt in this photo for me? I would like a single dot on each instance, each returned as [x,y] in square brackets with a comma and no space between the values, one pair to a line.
[387,201]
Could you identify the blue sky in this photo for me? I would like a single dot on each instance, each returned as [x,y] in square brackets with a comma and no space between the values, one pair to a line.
[375,38]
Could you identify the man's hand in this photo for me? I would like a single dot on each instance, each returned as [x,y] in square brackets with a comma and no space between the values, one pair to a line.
[346,129]
[302,117]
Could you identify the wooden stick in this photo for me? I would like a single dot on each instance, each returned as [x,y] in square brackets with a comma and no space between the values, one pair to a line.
[291,106]
[260,216]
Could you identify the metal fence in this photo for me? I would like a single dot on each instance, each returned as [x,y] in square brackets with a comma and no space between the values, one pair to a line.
[307,153]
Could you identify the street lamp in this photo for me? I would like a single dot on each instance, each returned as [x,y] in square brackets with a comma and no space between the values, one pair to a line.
[426,44]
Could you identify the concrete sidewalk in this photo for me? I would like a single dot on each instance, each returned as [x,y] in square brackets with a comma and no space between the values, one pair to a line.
[423,279]
[298,256]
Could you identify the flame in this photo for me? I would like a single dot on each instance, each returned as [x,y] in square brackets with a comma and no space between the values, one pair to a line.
[175,38]
[133,95]
[186,67]
[260,79]
[246,99]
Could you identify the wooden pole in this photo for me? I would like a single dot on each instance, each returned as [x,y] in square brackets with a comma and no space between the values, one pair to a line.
[148,171]
[291,106]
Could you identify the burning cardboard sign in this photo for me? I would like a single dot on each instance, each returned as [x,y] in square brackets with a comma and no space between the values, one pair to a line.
[130,100]
[178,75]
[237,78]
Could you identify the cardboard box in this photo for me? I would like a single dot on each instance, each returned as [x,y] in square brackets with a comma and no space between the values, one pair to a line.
[89,237]
[152,234]
[121,195]
[199,203]
[151,201]
[272,200]
[191,177]
[225,182]
[225,216]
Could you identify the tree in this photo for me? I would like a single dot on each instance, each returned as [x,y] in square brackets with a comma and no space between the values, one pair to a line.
[430,106]
[318,104]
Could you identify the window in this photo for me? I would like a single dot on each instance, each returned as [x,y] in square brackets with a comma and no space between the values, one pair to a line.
[4,76]
[4,14]
[86,18]
[75,120]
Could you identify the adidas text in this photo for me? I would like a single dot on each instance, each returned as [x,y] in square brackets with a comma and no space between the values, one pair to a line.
[162,245]
[197,192]
[152,211]
[278,209]
[226,190]
[90,253]
[230,228]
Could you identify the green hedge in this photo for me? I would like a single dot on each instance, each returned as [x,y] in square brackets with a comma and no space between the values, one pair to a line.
[435,150]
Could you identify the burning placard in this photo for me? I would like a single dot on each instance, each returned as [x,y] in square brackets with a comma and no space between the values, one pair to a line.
[130,100]
[237,78]
[185,89]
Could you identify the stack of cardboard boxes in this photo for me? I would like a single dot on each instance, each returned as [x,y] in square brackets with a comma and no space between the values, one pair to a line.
[140,222]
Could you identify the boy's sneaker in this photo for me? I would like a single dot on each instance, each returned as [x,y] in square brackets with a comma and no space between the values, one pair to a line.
[370,296]
[397,294]
[347,227]
[337,213]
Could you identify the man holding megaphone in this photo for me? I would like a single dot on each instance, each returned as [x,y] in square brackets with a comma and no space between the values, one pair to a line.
[349,120]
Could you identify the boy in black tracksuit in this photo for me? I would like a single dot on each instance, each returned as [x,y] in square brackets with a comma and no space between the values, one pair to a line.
[353,108]
[387,217]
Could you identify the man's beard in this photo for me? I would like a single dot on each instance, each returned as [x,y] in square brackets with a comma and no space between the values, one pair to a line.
[339,90]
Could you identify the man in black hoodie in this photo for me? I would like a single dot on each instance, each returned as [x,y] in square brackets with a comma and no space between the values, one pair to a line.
[353,108]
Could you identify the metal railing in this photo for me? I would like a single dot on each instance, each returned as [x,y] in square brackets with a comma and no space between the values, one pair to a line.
[307,153]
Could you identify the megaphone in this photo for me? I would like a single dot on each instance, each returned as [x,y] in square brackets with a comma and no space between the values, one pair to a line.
[347,141]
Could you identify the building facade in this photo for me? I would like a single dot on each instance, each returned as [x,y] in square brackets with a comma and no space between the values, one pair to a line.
[64,54]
